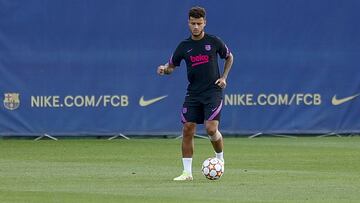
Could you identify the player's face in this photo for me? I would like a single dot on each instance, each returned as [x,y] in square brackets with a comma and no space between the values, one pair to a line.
[196,26]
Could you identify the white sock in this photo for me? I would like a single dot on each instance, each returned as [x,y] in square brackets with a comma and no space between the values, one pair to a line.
[220,155]
[187,163]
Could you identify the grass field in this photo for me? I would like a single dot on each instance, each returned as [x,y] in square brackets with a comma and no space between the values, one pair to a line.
[141,170]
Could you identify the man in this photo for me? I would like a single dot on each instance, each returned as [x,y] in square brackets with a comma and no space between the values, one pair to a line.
[203,101]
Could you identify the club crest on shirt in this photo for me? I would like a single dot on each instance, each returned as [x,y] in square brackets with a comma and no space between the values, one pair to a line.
[207,47]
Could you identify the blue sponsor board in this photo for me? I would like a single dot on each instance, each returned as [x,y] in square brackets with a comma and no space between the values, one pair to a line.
[89,68]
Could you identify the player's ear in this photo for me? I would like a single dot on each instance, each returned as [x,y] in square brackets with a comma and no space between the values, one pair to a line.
[204,22]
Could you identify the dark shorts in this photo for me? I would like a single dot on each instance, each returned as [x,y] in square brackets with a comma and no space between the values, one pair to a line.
[205,106]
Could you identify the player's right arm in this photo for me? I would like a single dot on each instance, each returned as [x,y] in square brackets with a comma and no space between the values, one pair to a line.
[166,69]
[174,61]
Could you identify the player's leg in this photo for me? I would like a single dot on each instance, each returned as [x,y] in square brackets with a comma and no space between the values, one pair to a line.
[190,115]
[187,146]
[216,139]
[212,111]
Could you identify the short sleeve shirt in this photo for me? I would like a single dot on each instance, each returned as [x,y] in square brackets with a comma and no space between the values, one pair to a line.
[201,57]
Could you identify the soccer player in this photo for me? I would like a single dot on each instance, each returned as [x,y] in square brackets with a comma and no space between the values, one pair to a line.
[203,100]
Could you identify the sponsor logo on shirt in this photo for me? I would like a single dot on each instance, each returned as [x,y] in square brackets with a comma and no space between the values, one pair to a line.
[199,59]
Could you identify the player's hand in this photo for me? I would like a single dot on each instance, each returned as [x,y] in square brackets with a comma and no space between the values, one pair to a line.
[221,82]
[161,70]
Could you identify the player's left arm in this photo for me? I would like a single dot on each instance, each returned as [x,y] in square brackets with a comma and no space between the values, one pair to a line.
[221,82]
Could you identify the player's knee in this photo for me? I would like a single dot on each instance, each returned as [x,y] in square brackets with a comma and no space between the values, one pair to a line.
[211,130]
[189,128]
[215,137]
[211,127]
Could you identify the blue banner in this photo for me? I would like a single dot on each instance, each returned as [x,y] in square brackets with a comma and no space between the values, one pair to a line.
[89,67]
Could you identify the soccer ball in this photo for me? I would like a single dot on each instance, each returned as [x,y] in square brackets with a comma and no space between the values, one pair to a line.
[212,168]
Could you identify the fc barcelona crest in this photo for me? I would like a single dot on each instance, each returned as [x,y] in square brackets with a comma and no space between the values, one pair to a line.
[208,47]
[11,100]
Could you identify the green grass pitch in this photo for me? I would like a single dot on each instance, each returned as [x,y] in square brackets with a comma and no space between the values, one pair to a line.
[305,169]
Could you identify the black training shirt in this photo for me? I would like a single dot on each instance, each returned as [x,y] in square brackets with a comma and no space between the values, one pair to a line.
[201,57]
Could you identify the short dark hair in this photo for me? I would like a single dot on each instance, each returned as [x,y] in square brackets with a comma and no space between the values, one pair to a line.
[197,12]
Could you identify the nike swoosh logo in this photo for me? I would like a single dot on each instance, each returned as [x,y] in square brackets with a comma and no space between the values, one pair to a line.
[143,102]
[335,101]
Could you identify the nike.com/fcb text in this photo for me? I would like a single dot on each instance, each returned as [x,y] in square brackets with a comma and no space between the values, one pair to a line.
[307,99]
[70,101]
